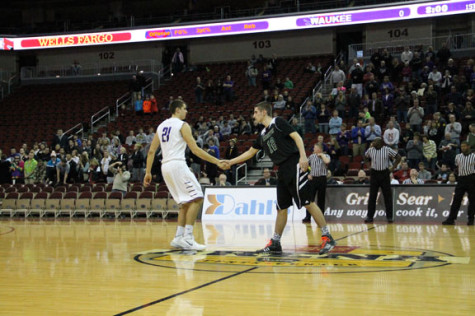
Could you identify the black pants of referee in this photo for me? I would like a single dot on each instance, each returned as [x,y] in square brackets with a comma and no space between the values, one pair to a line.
[319,187]
[380,179]
[464,184]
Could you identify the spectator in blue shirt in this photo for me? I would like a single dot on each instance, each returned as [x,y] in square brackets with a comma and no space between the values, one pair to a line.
[51,168]
[359,139]
[372,131]
[335,123]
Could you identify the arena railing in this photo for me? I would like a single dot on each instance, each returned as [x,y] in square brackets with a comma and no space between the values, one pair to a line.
[99,115]
[243,179]
[77,129]
[91,69]
[126,97]
[322,84]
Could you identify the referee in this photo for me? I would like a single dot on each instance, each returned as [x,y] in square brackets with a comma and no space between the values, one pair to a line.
[381,157]
[318,176]
[465,183]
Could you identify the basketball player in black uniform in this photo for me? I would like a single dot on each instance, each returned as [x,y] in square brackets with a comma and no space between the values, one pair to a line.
[285,148]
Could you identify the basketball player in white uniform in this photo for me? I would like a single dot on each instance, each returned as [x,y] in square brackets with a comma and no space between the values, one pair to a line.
[173,135]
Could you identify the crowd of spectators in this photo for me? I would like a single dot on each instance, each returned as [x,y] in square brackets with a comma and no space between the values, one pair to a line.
[420,103]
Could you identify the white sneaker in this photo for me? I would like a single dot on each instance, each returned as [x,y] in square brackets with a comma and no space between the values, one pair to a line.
[190,244]
[175,243]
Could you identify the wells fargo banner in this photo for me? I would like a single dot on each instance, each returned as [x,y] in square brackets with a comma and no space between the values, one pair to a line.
[75,40]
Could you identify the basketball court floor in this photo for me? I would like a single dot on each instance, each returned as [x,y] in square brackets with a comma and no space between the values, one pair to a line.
[94,267]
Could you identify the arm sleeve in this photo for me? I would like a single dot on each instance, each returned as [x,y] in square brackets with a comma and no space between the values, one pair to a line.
[377,131]
[367,155]
[367,131]
[392,153]
[385,137]
[284,126]
[125,176]
[257,143]
[458,127]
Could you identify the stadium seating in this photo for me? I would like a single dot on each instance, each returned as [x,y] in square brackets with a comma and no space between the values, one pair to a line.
[113,203]
[98,203]
[68,204]
[128,203]
[23,204]
[83,203]
[144,203]
[160,202]
[38,204]
[9,203]
[53,203]
[43,106]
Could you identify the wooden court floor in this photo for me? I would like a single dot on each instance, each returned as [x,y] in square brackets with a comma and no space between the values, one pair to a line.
[94,267]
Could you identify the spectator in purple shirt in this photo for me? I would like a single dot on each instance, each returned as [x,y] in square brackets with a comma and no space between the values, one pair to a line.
[359,139]
[309,113]
[343,138]
[228,88]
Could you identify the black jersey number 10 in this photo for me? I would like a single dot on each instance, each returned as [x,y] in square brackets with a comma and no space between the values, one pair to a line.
[272,145]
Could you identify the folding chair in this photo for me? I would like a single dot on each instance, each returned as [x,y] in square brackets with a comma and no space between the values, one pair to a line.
[68,203]
[83,203]
[113,203]
[144,203]
[38,204]
[128,203]
[24,203]
[53,203]
[9,203]
[98,203]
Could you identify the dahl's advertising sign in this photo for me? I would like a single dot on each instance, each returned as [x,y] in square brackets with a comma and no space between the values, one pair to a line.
[411,204]
[248,203]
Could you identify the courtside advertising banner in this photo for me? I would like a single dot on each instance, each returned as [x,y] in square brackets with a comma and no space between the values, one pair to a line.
[246,203]
[411,204]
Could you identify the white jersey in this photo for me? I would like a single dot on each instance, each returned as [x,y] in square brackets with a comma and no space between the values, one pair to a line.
[172,142]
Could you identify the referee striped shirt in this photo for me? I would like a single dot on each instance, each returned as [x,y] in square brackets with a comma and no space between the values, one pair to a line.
[380,158]
[465,164]
[317,166]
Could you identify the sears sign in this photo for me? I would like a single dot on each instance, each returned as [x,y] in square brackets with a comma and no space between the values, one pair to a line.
[248,203]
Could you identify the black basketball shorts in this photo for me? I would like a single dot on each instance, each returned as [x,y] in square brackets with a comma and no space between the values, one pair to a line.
[294,184]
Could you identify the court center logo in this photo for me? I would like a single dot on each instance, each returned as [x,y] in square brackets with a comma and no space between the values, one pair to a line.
[305,260]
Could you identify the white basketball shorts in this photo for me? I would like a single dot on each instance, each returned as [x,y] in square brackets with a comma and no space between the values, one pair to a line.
[181,182]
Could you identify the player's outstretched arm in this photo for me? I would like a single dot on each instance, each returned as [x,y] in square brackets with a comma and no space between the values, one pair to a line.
[150,157]
[251,152]
[303,162]
[195,149]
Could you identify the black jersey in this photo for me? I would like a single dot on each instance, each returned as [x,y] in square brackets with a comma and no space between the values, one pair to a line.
[276,142]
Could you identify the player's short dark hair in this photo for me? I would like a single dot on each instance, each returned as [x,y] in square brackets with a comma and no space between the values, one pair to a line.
[176,104]
[465,142]
[265,106]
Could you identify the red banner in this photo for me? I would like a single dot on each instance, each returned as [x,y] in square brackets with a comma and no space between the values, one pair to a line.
[70,40]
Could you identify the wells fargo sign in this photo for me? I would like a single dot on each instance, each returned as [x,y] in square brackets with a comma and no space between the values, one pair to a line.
[74,40]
